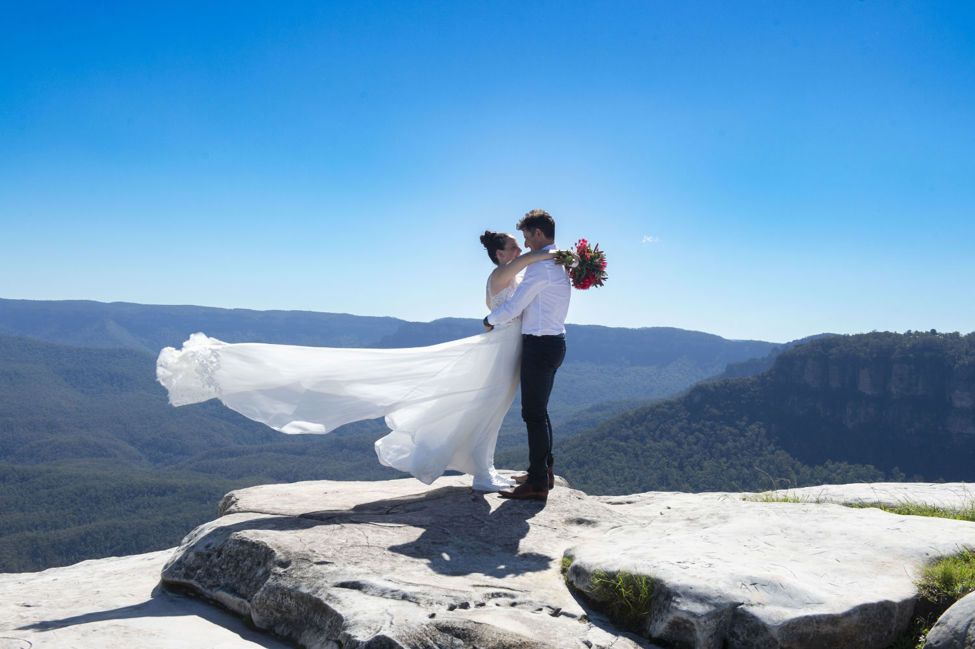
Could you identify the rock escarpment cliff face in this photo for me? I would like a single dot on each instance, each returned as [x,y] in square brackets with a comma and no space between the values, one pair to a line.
[838,410]
[890,400]
[400,565]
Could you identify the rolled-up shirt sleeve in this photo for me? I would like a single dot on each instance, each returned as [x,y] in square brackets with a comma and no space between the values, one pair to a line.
[530,286]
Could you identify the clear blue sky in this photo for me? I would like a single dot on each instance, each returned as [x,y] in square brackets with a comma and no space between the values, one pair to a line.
[762,170]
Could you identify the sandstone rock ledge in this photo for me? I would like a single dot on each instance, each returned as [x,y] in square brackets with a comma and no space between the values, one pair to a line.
[397,564]
[114,603]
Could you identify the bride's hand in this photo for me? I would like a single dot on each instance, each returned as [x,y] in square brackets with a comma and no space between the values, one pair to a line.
[567,258]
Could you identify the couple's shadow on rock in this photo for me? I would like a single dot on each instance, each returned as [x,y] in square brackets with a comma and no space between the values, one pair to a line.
[462,534]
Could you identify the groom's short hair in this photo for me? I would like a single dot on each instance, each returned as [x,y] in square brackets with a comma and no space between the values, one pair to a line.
[538,219]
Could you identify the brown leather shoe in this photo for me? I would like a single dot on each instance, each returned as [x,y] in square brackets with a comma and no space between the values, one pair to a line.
[524,492]
[521,479]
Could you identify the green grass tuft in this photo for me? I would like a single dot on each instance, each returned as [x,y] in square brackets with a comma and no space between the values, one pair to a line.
[965,513]
[566,562]
[625,596]
[622,596]
[949,578]
[905,508]
[943,582]
[773,497]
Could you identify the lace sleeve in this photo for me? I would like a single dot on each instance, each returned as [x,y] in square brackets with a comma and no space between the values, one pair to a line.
[502,296]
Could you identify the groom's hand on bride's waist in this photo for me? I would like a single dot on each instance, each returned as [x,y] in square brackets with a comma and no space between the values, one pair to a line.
[487,325]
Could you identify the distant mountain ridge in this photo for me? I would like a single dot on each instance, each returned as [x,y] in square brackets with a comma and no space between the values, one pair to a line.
[149,328]
[621,346]
[757,365]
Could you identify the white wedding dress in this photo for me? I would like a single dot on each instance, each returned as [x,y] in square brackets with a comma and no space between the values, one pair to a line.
[443,403]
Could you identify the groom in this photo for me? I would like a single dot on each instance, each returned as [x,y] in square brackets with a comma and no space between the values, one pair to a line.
[543,300]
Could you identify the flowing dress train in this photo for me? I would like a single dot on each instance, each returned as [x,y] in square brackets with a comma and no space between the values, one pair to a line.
[443,404]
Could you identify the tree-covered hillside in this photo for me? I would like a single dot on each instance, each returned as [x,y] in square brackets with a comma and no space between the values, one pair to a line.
[836,409]
[60,513]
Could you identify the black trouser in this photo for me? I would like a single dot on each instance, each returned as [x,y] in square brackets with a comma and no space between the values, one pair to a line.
[541,356]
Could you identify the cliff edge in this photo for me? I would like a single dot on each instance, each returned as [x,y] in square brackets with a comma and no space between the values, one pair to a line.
[397,564]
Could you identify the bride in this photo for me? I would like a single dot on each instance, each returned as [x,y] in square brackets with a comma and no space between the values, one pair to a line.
[443,404]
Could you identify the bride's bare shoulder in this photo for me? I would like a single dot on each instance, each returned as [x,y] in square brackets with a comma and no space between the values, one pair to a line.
[498,282]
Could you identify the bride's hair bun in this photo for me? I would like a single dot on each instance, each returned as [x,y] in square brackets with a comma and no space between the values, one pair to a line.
[493,242]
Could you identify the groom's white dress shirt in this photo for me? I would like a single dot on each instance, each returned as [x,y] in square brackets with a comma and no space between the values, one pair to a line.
[542,298]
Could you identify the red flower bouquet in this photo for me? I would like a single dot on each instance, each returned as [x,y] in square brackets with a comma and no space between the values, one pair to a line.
[586,264]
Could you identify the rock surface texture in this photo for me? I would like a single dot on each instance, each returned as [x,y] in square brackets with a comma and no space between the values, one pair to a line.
[397,564]
[956,628]
[114,604]
[949,495]
[739,574]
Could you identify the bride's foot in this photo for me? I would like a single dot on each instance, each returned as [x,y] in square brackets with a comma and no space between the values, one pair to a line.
[492,481]
[500,478]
